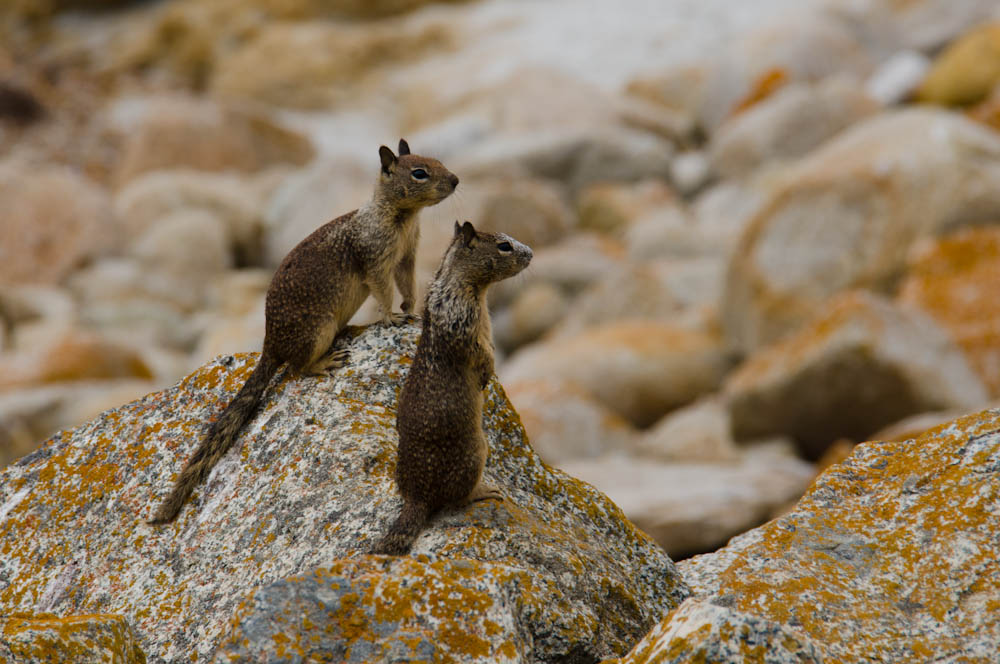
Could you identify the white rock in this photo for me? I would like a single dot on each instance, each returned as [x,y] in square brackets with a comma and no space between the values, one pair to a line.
[897,77]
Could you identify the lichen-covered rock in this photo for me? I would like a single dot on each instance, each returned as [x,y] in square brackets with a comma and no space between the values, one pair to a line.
[845,216]
[308,484]
[891,556]
[954,279]
[862,365]
[82,639]
[707,633]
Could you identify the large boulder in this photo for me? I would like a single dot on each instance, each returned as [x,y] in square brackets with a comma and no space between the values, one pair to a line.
[845,216]
[864,364]
[268,556]
[639,369]
[891,556]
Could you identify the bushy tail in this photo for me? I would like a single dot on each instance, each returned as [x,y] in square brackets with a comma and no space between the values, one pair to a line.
[220,437]
[404,531]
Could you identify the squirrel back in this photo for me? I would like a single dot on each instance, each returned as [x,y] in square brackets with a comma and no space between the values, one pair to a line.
[442,448]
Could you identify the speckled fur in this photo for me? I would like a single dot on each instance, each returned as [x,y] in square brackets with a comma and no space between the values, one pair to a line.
[442,449]
[316,290]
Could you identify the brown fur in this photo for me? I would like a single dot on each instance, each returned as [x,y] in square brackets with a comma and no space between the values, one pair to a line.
[442,448]
[319,286]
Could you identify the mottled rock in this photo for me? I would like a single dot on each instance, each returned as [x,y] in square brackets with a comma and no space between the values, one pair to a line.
[967,71]
[77,639]
[53,220]
[315,64]
[787,125]
[696,507]
[700,631]
[862,365]
[142,202]
[581,260]
[638,369]
[564,422]
[845,216]
[530,210]
[76,355]
[698,432]
[953,279]
[177,132]
[193,243]
[307,486]
[574,157]
[890,555]
[535,310]
[801,46]
[685,292]
[609,207]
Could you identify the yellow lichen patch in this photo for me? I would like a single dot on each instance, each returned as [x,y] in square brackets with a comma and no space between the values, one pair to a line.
[953,279]
[76,639]
[900,533]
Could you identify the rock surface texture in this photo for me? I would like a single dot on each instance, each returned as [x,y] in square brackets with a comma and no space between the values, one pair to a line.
[891,556]
[553,573]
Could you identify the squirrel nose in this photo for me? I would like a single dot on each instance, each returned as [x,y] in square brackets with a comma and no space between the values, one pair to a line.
[453,179]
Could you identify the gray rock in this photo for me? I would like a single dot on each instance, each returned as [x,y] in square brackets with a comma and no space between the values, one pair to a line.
[559,571]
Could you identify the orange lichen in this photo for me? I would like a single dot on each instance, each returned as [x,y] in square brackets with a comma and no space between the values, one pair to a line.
[765,85]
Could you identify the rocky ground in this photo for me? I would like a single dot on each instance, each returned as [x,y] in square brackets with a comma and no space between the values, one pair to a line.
[747,258]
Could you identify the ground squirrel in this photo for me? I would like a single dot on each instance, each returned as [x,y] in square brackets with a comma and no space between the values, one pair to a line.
[442,449]
[319,286]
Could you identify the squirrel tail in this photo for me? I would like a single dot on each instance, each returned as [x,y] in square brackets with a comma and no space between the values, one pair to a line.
[403,532]
[220,437]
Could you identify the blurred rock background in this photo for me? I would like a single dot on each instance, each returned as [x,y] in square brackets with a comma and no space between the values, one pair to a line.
[763,231]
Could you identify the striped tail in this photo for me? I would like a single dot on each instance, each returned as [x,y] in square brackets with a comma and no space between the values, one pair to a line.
[220,437]
[404,531]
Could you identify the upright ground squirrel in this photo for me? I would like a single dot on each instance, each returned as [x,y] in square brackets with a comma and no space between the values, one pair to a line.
[442,449]
[319,286]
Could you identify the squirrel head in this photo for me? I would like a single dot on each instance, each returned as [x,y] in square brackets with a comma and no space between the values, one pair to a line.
[410,181]
[482,258]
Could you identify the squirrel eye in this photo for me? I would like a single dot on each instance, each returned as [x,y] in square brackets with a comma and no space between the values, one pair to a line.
[418,174]
[505,247]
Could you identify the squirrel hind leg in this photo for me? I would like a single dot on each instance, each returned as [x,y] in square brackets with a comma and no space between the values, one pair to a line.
[331,361]
[483,491]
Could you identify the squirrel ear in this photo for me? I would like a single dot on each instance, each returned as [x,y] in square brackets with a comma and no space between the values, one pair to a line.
[468,233]
[388,159]
[458,228]
[404,147]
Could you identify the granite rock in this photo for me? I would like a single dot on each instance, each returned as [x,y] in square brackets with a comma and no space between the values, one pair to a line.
[286,514]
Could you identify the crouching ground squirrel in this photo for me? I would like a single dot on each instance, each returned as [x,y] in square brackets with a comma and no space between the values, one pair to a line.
[442,449]
[319,286]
